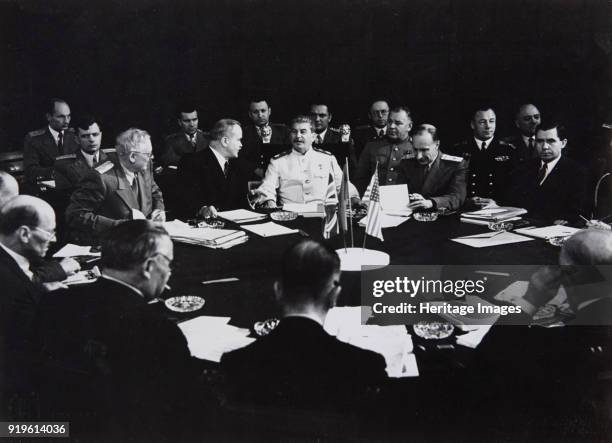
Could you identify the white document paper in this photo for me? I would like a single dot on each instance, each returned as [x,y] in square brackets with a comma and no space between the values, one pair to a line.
[241,215]
[548,231]
[475,335]
[137,215]
[301,208]
[208,338]
[269,229]
[394,200]
[72,250]
[388,221]
[491,239]
[48,183]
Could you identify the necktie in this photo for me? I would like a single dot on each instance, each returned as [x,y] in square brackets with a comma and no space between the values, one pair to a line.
[192,139]
[60,142]
[542,173]
[484,146]
[380,133]
[226,168]
[530,144]
[136,189]
[319,140]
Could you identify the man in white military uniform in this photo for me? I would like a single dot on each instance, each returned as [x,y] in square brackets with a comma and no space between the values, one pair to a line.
[300,175]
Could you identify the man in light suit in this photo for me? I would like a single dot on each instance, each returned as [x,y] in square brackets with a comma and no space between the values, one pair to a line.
[299,364]
[116,192]
[41,147]
[188,140]
[435,180]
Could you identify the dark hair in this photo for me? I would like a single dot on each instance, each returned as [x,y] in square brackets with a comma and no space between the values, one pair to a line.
[130,244]
[14,216]
[258,99]
[51,104]
[186,108]
[302,119]
[554,124]
[221,128]
[306,268]
[482,108]
[84,121]
[400,109]
[430,129]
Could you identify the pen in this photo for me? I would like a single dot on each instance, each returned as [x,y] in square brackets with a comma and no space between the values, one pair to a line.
[167,288]
[220,280]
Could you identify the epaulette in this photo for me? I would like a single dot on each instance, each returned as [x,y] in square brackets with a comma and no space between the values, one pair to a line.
[104,167]
[505,143]
[408,155]
[37,132]
[108,150]
[336,130]
[65,157]
[282,154]
[322,151]
[452,158]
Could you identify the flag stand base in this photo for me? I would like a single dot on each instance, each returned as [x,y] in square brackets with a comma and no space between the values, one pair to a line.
[352,259]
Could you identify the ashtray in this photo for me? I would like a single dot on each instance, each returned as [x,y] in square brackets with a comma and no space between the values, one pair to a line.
[433,330]
[500,226]
[557,241]
[425,216]
[263,328]
[185,303]
[283,215]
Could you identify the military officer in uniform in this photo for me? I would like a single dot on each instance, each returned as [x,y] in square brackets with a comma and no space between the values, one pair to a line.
[261,132]
[302,174]
[490,161]
[376,130]
[527,120]
[71,168]
[43,146]
[115,192]
[387,153]
[435,180]
[188,140]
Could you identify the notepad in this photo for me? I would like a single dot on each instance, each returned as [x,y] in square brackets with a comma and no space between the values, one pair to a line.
[270,229]
[72,250]
[548,231]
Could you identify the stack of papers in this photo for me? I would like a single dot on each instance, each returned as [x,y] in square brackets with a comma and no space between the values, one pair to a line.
[392,342]
[241,216]
[548,231]
[72,250]
[313,209]
[491,239]
[208,338]
[270,229]
[501,213]
[209,237]
[394,200]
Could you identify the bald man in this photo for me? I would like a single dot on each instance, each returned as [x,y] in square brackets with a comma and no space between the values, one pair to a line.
[44,271]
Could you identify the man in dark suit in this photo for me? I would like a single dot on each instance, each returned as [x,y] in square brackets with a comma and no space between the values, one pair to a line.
[261,132]
[490,161]
[553,187]
[527,120]
[298,364]
[41,147]
[71,168]
[435,180]
[188,140]
[376,130]
[386,153]
[27,227]
[216,178]
[144,356]
[115,192]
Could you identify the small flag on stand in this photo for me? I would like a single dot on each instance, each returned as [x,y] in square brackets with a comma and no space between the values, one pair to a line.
[374,217]
[330,225]
[343,200]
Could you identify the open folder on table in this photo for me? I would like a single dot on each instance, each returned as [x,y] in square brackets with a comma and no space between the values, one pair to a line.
[241,216]
[270,229]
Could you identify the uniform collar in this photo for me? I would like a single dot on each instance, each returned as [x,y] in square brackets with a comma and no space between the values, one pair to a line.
[54,133]
[479,143]
[300,155]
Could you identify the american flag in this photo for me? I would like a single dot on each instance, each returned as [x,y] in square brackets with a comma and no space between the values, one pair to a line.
[374,221]
[330,226]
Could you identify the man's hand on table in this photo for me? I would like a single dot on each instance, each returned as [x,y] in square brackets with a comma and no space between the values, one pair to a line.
[70,266]
[417,201]
[543,287]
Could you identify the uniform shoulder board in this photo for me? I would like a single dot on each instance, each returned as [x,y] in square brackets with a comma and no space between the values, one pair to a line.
[104,167]
[322,151]
[282,154]
[66,157]
[37,132]
[452,158]
[109,150]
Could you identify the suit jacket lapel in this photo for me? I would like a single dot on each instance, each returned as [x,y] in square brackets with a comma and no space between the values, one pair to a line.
[124,190]
[13,266]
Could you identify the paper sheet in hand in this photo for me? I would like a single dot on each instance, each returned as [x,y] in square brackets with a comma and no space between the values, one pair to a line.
[394,200]
[491,239]
[208,338]
[48,183]
[392,342]
[241,215]
[548,231]
[270,229]
[72,250]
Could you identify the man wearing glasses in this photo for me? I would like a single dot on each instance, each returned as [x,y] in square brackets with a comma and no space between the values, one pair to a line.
[124,190]
[376,130]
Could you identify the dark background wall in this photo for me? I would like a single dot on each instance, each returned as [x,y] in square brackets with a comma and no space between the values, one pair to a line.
[129,61]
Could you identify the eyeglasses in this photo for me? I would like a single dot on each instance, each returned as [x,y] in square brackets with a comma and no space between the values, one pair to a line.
[144,154]
[168,259]
[51,236]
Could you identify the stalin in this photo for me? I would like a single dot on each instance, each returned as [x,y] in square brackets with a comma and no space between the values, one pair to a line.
[490,161]
[301,175]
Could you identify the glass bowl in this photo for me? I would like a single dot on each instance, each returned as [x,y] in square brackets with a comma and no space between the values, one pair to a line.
[185,303]
[433,330]
[500,226]
[263,328]
[425,216]
[283,215]
[557,241]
